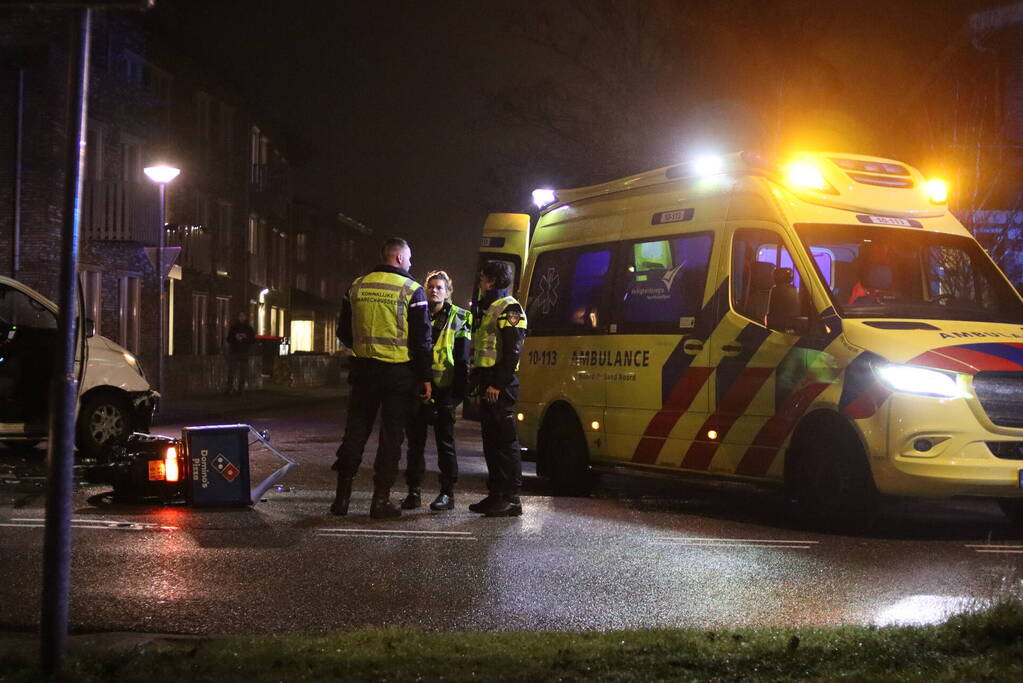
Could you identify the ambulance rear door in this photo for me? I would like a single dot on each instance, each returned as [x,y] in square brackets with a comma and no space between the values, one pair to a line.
[506,238]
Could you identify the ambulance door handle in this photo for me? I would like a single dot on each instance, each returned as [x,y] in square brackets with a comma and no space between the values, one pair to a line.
[692,346]
[732,349]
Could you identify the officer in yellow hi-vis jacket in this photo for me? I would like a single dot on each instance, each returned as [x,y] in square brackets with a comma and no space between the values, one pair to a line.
[451,332]
[385,321]
[497,343]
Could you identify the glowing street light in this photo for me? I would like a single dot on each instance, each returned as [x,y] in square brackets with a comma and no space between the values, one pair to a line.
[161,174]
[543,196]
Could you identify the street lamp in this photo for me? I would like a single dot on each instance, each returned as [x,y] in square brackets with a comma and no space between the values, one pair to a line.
[161,174]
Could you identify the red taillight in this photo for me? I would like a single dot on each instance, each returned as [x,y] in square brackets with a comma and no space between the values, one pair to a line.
[170,464]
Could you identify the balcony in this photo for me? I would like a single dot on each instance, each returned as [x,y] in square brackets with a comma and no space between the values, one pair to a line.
[118,211]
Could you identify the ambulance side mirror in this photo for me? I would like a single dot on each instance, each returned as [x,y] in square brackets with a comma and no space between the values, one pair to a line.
[90,327]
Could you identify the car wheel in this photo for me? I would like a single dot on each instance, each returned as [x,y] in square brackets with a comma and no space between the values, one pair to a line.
[104,421]
[832,480]
[564,448]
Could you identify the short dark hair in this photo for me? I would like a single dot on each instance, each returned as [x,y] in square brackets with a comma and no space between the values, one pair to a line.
[498,271]
[392,245]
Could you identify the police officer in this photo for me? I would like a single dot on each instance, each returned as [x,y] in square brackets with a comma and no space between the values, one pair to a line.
[497,343]
[452,328]
[385,321]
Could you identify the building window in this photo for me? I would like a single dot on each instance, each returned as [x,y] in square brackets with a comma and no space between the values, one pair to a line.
[225,129]
[223,320]
[199,324]
[93,295]
[131,68]
[300,281]
[129,313]
[94,152]
[273,319]
[156,82]
[302,335]
[131,159]
[202,116]
[282,317]
[300,247]
[252,242]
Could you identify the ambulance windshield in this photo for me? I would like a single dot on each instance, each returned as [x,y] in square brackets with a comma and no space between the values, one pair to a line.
[875,271]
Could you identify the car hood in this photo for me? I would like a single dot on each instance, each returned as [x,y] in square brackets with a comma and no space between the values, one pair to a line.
[966,347]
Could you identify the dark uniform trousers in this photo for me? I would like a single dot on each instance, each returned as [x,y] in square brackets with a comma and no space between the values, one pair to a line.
[443,430]
[376,386]
[500,443]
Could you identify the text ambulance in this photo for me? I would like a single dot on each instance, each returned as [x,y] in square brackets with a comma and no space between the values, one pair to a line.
[826,325]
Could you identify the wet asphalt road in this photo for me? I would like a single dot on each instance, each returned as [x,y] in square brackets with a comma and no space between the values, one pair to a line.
[639,553]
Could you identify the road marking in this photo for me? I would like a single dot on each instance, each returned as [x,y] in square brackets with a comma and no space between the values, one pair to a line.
[110,525]
[396,534]
[995,549]
[398,531]
[737,542]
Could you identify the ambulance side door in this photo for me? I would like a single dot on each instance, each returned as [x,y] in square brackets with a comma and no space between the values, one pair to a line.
[756,356]
[657,368]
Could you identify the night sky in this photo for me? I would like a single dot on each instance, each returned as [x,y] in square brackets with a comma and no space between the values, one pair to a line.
[418,118]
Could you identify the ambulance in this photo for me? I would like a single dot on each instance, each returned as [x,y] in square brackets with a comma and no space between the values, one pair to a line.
[820,323]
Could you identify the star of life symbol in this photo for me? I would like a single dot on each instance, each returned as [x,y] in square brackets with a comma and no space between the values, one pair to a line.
[548,297]
[226,468]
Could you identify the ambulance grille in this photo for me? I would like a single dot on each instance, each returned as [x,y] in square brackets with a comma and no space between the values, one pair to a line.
[1007,450]
[881,180]
[1001,396]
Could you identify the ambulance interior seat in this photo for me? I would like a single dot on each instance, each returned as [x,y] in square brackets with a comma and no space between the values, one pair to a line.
[759,296]
[783,307]
[845,278]
[876,278]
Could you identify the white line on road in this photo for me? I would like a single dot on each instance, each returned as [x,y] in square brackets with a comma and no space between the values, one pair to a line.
[112,525]
[991,545]
[422,537]
[398,531]
[1000,552]
[708,544]
[736,540]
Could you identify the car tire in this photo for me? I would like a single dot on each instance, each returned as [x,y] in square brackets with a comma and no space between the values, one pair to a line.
[103,421]
[563,446]
[831,479]
[1012,508]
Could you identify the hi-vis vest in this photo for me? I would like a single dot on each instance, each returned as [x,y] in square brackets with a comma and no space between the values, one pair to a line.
[486,341]
[380,303]
[457,326]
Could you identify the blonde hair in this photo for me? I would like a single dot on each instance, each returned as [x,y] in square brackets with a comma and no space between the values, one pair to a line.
[441,275]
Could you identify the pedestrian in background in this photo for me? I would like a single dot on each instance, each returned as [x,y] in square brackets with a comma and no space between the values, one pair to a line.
[451,328]
[497,343]
[385,321]
[240,338]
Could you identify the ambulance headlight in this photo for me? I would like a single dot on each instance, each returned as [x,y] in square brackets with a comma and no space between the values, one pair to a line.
[910,379]
[543,197]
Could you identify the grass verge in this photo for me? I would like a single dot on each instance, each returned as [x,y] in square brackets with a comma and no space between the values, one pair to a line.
[981,645]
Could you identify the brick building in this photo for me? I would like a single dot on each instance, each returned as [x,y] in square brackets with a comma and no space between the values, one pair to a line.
[236,238]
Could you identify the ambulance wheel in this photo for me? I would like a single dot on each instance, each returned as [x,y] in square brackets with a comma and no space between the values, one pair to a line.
[103,421]
[830,476]
[563,446]
[1012,508]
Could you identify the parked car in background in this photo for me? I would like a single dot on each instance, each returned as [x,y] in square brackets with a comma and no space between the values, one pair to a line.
[114,397]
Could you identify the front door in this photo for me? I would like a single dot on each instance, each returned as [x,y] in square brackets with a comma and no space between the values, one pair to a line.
[28,340]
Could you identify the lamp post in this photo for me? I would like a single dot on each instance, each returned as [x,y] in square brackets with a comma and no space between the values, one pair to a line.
[161,175]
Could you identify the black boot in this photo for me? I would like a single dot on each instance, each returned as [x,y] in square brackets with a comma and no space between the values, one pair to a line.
[413,500]
[381,506]
[507,506]
[483,505]
[445,501]
[342,497]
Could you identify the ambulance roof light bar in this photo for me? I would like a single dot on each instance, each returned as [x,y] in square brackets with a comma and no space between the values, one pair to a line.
[937,190]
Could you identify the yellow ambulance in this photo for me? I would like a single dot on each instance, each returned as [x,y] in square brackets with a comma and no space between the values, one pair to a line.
[822,323]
